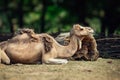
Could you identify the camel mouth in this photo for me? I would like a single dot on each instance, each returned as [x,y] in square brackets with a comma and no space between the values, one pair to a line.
[92,32]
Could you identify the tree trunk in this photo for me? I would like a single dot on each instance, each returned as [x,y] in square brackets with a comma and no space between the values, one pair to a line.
[43,15]
[20,12]
[81,7]
[5,10]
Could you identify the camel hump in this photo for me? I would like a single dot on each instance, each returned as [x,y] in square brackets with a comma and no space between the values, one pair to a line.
[25,30]
[29,32]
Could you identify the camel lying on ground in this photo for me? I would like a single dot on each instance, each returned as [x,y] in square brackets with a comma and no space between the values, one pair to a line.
[43,48]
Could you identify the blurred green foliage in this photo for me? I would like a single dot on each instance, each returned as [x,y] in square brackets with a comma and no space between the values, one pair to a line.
[59,15]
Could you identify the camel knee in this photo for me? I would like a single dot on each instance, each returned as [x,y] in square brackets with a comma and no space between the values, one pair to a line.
[4,58]
[6,61]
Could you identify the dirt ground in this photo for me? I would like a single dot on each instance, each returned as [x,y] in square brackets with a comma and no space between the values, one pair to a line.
[102,69]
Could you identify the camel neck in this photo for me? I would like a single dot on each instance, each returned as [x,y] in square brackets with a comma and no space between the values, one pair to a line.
[70,49]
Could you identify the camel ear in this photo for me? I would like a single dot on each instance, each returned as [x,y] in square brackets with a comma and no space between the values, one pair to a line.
[76,27]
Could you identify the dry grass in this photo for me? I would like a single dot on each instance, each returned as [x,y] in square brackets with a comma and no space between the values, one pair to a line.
[102,69]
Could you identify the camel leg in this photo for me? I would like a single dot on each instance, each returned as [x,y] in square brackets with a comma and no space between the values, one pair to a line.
[54,61]
[57,61]
[4,58]
[49,58]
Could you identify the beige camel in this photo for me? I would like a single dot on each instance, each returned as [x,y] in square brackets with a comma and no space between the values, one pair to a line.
[44,50]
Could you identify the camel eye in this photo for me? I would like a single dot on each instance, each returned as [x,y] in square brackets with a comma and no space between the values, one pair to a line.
[81,29]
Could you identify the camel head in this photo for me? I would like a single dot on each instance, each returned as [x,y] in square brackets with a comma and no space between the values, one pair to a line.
[80,32]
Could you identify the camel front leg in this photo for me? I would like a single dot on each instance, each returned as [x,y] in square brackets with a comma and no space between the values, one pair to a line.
[4,58]
[50,60]
[57,61]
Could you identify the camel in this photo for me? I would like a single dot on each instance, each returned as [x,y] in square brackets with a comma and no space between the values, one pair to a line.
[25,48]
[77,34]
